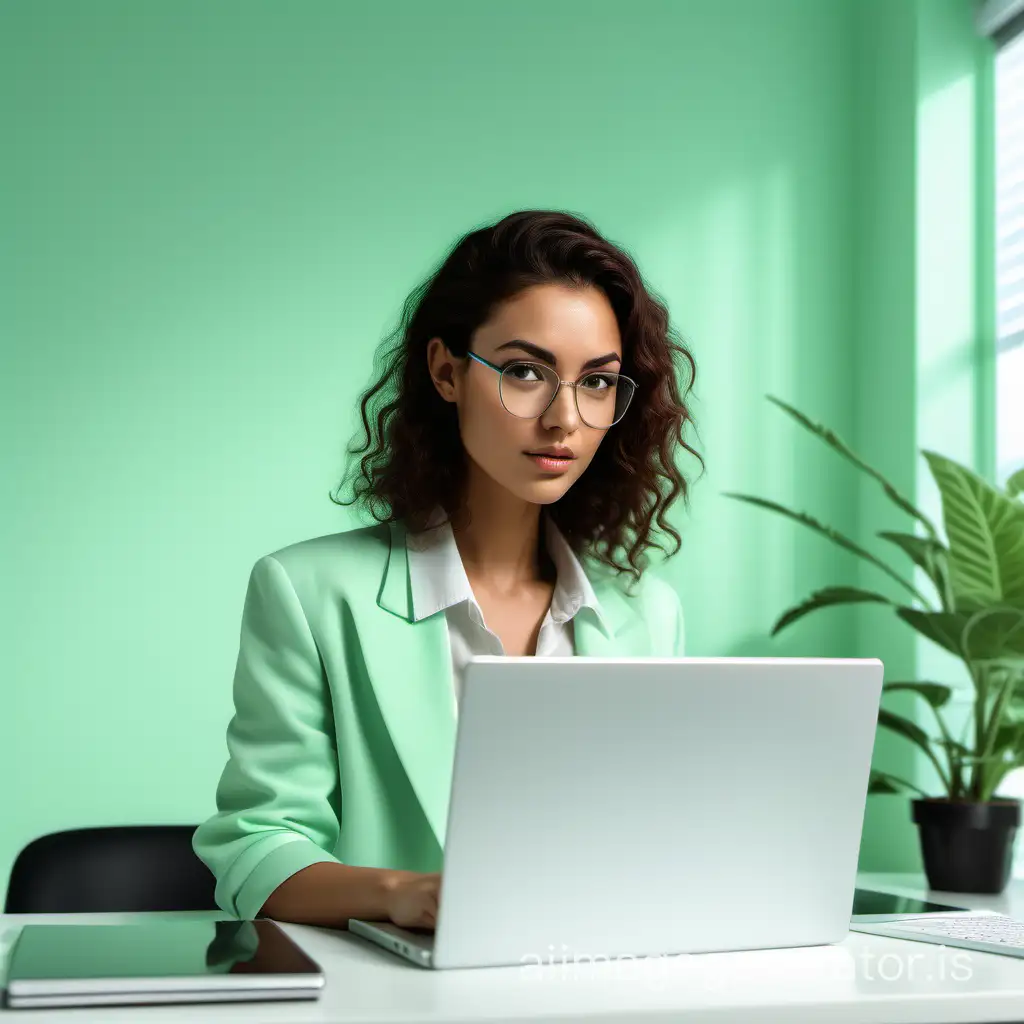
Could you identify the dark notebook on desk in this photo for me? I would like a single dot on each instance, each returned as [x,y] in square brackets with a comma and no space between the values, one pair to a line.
[157,961]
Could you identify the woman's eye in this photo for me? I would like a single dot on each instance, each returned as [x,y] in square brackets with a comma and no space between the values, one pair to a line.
[521,370]
[597,382]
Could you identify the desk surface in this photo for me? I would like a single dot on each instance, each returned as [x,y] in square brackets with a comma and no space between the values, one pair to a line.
[863,978]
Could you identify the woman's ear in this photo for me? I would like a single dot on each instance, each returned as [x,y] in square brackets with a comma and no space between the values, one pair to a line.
[442,366]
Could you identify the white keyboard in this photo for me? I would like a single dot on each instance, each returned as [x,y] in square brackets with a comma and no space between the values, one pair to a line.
[995,929]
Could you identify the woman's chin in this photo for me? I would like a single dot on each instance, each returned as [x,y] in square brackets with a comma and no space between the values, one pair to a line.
[544,492]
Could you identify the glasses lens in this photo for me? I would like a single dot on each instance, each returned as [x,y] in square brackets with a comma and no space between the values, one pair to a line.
[527,388]
[603,398]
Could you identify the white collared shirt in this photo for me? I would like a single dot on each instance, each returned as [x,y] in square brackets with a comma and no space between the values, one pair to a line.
[439,583]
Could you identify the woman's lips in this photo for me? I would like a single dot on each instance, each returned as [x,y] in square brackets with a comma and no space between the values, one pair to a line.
[550,463]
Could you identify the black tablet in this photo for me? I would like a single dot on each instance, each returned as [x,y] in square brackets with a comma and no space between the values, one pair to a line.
[867,903]
[158,961]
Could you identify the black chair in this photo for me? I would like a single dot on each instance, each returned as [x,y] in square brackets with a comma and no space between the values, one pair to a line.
[120,868]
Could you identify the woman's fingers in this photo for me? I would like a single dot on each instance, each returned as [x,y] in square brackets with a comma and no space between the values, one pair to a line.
[414,900]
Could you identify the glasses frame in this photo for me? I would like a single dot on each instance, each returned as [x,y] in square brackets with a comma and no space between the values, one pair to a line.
[574,384]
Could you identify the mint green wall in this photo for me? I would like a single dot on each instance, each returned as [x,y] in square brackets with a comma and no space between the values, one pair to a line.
[884,324]
[923,321]
[215,211]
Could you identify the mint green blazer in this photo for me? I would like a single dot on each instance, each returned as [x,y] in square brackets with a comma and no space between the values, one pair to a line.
[343,736]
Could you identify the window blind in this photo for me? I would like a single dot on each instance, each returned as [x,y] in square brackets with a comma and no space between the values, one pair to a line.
[1001,19]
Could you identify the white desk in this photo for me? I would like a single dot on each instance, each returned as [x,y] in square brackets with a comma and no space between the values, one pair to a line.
[864,978]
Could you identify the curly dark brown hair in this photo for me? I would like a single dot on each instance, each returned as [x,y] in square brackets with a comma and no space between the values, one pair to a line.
[412,454]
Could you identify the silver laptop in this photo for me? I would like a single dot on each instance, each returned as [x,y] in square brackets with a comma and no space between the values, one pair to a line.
[630,807]
[157,961]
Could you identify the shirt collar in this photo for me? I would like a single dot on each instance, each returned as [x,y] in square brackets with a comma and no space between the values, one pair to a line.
[438,579]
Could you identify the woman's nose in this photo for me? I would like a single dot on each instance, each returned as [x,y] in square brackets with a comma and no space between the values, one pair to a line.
[562,411]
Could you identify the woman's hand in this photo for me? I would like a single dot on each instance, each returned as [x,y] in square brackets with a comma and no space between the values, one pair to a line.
[411,899]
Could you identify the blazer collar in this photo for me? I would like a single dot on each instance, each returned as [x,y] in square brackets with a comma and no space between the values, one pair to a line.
[594,590]
[437,578]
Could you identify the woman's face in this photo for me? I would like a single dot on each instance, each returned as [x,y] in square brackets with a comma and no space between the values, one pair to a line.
[572,330]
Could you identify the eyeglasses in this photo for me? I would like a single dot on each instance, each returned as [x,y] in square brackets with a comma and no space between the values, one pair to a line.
[527,390]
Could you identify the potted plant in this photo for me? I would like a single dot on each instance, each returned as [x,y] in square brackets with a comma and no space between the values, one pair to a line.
[977,614]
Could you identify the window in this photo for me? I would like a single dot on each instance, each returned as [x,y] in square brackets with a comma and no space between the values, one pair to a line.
[1009,128]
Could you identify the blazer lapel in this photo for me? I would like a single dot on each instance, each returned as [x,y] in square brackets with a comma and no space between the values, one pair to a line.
[622,637]
[409,664]
[410,669]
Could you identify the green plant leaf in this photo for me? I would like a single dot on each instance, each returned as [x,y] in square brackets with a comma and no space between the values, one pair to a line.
[927,554]
[833,535]
[999,634]
[1007,754]
[1013,713]
[883,782]
[1010,737]
[1015,485]
[985,529]
[916,735]
[942,628]
[937,696]
[825,598]
[992,634]
[836,444]
[935,693]
[905,727]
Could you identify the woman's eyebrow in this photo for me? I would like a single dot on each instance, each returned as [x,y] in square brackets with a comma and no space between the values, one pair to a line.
[549,357]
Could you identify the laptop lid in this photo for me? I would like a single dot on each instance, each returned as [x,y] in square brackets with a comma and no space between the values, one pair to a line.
[617,807]
[158,960]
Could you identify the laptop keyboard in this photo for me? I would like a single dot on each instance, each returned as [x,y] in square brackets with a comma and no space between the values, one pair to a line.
[997,929]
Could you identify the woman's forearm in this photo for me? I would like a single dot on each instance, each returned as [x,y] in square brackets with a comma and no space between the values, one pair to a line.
[328,894]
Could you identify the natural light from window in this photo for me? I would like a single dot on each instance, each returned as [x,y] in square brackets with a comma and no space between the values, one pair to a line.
[1010,259]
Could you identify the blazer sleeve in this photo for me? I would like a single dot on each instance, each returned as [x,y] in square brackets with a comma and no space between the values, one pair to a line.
[278,799]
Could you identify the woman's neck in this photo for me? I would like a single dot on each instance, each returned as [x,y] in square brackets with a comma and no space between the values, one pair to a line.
[501,543]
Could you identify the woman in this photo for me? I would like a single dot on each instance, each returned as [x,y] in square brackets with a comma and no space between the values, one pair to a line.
[519,454]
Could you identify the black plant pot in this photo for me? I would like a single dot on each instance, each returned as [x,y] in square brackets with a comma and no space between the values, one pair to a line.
[967,847]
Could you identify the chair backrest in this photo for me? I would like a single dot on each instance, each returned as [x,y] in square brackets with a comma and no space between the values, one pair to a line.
[127,868]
